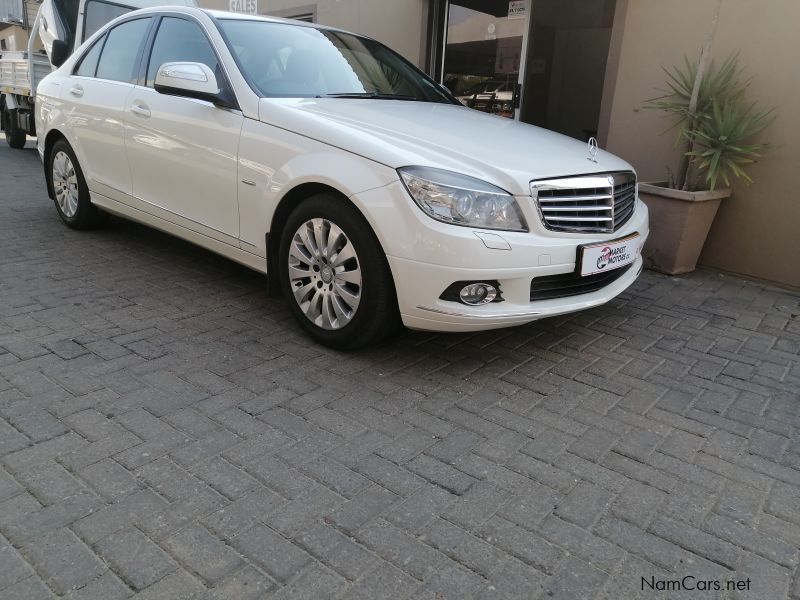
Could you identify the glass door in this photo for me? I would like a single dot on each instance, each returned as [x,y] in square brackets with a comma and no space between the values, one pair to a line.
[484,53]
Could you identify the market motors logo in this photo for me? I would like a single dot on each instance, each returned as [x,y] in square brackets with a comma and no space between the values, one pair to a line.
[609,256]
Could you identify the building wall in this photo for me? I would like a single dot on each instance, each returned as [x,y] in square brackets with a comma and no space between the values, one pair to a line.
[756,232]
[16,38]
[400,24]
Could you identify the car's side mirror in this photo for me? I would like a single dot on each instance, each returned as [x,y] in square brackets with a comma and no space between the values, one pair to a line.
[59,52]
[189,79]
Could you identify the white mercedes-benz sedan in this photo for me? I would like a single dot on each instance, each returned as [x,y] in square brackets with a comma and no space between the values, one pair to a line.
[364,188]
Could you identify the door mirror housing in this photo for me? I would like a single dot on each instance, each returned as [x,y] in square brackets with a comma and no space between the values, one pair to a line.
[59,52]
[191,80]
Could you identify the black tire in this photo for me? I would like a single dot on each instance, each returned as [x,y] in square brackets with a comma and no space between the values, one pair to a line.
[87,215]
[377,315]
[15,137]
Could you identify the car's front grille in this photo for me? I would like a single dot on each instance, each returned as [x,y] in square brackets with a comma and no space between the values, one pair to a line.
[586,204]
[565,285]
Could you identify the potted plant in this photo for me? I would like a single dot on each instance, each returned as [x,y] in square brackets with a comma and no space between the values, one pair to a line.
[716,125]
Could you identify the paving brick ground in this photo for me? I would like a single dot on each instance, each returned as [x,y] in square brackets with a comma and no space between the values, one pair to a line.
[167,432]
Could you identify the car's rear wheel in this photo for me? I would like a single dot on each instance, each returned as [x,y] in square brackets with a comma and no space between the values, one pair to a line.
[70,192]
[15,137]
[335,275]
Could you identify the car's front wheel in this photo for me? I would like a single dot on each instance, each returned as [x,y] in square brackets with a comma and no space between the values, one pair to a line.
[335,275]
[70,192]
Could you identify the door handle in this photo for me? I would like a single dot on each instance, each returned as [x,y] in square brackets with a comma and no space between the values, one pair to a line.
[76,91]
[140,109]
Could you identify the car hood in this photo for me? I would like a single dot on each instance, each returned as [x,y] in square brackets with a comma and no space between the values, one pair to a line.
[399,133]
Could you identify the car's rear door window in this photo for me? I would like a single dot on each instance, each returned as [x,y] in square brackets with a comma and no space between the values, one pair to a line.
[118,59]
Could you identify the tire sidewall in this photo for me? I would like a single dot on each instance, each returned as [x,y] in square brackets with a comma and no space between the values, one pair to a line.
[82,214]
[372,260]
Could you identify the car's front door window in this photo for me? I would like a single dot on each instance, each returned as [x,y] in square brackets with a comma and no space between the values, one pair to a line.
[179,40]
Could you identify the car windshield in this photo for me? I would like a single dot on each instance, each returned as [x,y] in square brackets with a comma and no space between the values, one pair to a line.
[284,60]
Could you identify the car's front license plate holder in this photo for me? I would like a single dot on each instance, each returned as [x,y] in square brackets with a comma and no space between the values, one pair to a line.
[602,257]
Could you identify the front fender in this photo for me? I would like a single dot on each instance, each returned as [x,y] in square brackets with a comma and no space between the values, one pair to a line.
[273,162]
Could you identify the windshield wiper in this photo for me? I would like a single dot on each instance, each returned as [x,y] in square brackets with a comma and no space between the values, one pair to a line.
[369,96]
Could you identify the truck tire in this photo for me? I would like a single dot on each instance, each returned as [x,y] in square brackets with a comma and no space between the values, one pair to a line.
[70,192]
[15,137]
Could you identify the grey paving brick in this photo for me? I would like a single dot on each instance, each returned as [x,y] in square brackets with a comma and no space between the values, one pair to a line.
[247,583]
[13,567]
[362,508]
[384,583]
[203,553]
[31,588]
[269,550]
[749,538]
[463,547]
[521,543]
[51,517]
[179,585]
[166,521]
[235,517]
[337,551]
[64,560]
[697,541]
[135,558]
[655,549]
[576,581]
[441,474]
[453,582]
[314,583]
[106,587]
[585,504]
[401,549]
[530,505]
[417,511]
[226,478]
[110,479]
[113,517]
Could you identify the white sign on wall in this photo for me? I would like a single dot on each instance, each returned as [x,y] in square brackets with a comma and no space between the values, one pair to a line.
[249,7]
[516,9]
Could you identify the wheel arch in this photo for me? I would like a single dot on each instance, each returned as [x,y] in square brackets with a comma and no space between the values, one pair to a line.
[281,214]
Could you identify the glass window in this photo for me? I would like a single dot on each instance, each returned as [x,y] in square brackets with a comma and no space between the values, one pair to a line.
[118,60]
[284,60]
[99,14]
[179,40]
[88,64]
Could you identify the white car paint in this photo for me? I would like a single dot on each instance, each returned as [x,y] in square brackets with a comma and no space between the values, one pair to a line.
[215,177]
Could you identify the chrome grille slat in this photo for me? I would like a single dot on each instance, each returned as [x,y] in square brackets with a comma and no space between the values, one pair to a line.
[590,203]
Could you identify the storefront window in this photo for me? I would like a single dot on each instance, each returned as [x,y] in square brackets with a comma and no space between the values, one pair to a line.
[483,54]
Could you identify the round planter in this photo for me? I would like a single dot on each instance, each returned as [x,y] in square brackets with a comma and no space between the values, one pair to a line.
[679,225]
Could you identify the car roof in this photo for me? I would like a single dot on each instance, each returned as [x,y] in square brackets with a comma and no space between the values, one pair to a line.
[190,8]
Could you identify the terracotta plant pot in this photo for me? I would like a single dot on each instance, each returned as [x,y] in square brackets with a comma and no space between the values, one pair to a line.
[679,225]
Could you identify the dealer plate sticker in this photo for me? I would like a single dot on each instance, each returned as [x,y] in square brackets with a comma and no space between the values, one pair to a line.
[607,256]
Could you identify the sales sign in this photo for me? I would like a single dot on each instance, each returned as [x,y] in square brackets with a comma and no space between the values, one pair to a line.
[516,9]
[249,7]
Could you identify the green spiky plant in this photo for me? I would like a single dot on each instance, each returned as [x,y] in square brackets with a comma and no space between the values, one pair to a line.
[718,127]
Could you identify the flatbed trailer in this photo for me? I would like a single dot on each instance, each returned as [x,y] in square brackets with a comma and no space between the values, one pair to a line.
[58,30]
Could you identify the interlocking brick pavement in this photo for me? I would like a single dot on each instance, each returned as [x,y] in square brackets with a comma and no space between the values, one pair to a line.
[167,432]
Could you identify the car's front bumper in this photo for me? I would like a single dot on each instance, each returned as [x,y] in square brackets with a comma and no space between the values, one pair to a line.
[426,257]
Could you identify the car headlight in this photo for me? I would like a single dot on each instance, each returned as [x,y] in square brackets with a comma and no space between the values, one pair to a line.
[461,200]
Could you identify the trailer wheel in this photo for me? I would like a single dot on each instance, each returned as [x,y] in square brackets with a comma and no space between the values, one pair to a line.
[15,137]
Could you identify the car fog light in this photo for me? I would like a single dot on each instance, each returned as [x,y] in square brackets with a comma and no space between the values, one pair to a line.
[476,294]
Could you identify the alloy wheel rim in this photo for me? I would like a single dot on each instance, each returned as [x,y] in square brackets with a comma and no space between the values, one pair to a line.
[325,274]
[65,184]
